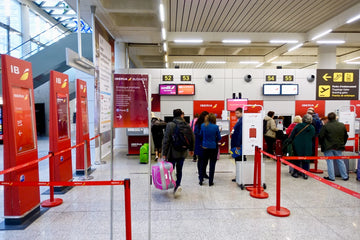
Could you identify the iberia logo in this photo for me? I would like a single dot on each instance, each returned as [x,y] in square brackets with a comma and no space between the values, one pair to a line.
[215,106]
[317,105]
[129,79]
[26,97]
[25,75]
[64,84]
[84,90]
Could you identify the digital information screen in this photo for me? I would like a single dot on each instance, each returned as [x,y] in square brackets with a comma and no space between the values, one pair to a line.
[186,89]
[289,89]
[167,89]
[84,115]
[62,115]
[233,104]
[271,89]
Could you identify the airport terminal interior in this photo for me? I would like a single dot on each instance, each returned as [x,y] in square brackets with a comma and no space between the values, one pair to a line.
[90,89]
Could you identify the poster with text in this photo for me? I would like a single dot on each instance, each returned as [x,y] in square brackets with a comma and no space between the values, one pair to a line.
[85,120]
[62,115]
[215,107]
[301,107]
[130,100]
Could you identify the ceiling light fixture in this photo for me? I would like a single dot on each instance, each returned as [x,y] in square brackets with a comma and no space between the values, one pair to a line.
[330,42]
[163,33]
[215,62]
[283,41]
[273,58]
[351,59]
[162,12]
[322,34]
[249,62]
[282,62]
[166,65]
[236,41]
[188,40]
[295,47]
[353,19]
[352,62]
[183,62]
[165,47]
[166,58]
[259,65]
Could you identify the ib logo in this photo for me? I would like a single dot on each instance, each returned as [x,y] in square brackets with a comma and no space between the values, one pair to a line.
[22,178]
[16,70]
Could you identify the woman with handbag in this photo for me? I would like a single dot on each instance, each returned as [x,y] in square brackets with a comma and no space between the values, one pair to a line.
[270,132]
[302,137]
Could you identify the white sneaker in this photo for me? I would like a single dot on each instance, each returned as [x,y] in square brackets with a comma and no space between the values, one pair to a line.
[177,191]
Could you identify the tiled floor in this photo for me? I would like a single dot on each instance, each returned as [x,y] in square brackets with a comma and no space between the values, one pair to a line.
[223,211]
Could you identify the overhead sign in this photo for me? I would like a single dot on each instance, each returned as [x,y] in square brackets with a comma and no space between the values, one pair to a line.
[167,89]
[288,78]
[301,107]
[131,100]
[337,84]
[215,107]
[233,104]
[168,78]
[185,78]
[186,89]
[270,78]
[271,89]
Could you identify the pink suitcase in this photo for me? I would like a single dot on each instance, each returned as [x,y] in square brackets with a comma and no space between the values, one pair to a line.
[163,175]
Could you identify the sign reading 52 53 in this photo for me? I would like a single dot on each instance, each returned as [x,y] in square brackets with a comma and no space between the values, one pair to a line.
[168,78]
[185,78]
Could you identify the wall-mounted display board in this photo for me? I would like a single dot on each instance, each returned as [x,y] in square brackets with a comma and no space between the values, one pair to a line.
[289,89]
[186,89]
[211,106]
[168,78]
[271,89]
[185,78]
[288,78]
[167,89]
[270,78]
[233,104]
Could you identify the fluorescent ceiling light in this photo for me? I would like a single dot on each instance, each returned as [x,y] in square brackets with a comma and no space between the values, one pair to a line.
[249,62]
[295,47]
[165,47]
[284,41]
[330,42]
[236,41]
[273,58]
[167,65]
[188,40]
[259,65]
[353,19]
[352,62]
[162,12]
[282,62]
[166,58]
[183,62]
[322,34]
[351,59]
[163,33]
[215,62]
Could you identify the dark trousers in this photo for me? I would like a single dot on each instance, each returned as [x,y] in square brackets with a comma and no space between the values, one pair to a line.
[210,154]
[178,165]
[304,164]
[202,165]
[270,144]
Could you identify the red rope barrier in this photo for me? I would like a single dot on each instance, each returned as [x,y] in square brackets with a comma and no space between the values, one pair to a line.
[94,137]
[72,184]
[267,154]
[320,158]
[66,150]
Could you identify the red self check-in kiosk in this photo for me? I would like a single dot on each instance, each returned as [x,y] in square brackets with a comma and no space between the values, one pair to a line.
[20,140]
[59,135]
[82,127]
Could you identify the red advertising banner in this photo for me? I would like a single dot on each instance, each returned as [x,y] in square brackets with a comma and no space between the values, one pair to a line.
[59,126]
[215,107]
[131,100]
[82,126]
[356,103]
[20,141]
[155,103]
[254,109]
[301,107]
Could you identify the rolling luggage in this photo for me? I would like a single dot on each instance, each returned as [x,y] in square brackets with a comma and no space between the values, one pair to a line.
[336,168]
[144,153]
[163,175]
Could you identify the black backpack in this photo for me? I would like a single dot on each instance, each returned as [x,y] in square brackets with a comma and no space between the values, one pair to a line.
[182,138]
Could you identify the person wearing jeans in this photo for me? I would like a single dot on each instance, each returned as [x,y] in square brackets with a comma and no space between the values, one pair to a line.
[332,138]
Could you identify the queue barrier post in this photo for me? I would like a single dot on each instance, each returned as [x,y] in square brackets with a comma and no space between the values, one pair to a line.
[315,169]
[52,202]
[127,208]
[251,188]
[258,191]
[86,175]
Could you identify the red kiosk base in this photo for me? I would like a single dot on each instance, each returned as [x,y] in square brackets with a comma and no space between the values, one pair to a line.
[282,212]
[48,203]
[22,223]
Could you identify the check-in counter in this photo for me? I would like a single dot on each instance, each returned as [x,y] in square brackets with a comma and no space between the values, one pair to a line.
[136,138]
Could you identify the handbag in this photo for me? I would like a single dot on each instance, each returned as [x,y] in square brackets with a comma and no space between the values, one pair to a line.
[236,152]
[288,148]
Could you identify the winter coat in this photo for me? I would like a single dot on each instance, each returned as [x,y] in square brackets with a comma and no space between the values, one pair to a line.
[290,128]
[271,128]
[236,137]
[303,142]
[210,135]
[198,141]
[333,135]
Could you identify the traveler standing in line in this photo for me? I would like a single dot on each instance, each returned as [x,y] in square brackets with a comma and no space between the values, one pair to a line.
[270,132]
[302,136]
[297,120]
[177,135]
[192,125]
[333,137]
[210,133]
[157,131]
[236,137]
[199,151]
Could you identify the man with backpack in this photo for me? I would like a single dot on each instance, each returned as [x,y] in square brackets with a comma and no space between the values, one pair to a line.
[178,141]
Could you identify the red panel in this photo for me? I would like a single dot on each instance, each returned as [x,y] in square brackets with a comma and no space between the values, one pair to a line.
[20,141]
[82,125]
[224,144]
[59,135]
[215,107]
[356,103]
[233,120]
[135,142]
[155,103]
[255,109]
[301,107]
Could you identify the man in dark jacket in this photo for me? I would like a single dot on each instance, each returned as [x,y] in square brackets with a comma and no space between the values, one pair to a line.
[172,155]
[332,138]
[236,137]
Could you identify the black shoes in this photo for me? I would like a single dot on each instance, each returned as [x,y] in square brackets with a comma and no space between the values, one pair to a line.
[345,179]
[233,180]
[201,183]
[211,184]
[295,175]
[206,176]
[329,179]
[305,176]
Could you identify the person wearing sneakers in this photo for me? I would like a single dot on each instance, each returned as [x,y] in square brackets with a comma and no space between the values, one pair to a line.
[333,137]
[170,150]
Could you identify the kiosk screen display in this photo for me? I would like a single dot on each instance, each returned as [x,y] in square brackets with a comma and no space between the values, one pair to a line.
[62,115]
[233,104]
[85,123]
[271,89]
[167,89]
[186,89]
[289,89]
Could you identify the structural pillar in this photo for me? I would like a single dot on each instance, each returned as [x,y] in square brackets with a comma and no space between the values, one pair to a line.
[327,57]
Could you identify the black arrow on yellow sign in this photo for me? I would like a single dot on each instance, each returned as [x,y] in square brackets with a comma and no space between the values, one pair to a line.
[326,77]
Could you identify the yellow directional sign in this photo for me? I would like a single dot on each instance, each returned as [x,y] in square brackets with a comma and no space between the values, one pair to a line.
[338,76]
[326,77]
[324,90]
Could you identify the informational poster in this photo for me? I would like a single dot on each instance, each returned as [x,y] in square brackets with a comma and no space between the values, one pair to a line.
[337,84]
[85,119]
[215,107]
[131,100]
[356,103]
[62,115]
[105,77]
[301,107]
[155,103]
[24,127]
